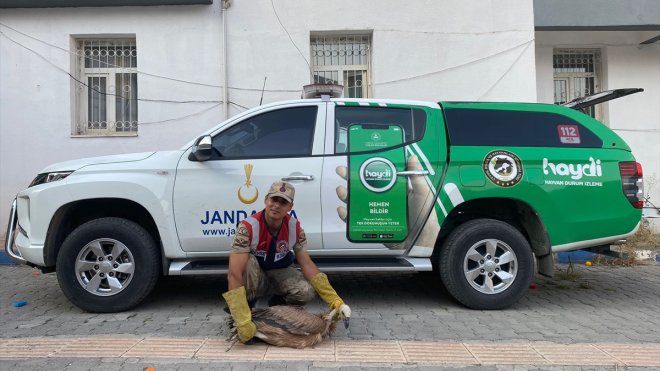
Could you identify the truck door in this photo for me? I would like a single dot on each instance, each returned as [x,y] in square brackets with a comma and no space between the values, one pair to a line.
[417,159]
[211,197]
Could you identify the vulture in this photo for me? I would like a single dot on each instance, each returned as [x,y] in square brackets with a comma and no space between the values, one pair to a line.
[289,326]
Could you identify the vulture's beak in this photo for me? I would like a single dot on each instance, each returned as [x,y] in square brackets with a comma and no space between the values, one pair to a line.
[346,321]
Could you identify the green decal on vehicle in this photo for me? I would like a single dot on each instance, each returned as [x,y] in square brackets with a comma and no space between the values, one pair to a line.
[377,204]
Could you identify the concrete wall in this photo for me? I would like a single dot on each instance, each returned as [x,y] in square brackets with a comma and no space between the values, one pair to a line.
[626,64]
[435,50]
[470,50]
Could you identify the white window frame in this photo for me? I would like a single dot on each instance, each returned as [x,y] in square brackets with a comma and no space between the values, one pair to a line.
[340,71]
[80,126]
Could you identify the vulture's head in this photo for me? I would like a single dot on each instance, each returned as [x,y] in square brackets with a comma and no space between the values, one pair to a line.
[344,314]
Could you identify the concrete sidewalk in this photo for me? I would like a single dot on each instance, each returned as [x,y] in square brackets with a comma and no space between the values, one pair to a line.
[337,352]
[606,318]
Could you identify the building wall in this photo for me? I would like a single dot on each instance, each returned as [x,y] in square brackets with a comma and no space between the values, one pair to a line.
[467,50]
[626,64]
[36,95]
[435,50]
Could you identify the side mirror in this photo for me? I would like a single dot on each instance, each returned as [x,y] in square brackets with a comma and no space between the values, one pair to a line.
[202,149]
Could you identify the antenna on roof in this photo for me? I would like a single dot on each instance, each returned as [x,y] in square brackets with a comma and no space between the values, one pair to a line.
[262,91]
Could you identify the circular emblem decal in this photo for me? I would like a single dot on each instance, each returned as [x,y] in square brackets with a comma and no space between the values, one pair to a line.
[503,168]
[378,174]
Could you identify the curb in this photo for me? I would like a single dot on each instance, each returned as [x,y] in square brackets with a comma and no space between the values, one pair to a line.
[582,256]
[4,258]
[393,352]
[577,256]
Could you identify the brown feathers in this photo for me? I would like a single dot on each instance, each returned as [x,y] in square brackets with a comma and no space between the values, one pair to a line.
[290,326]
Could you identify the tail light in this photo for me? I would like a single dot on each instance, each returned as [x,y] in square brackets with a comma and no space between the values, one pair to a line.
[632,182]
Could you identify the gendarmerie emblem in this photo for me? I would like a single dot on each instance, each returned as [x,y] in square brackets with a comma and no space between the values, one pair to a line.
[503,168]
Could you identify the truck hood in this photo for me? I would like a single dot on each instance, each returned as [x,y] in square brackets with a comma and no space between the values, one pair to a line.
[73,165]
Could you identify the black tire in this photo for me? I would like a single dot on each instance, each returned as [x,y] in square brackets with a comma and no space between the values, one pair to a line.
[486,264]
[96,283]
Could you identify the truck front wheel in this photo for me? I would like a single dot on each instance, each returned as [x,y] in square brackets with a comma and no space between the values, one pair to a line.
[486,264]
[108,265]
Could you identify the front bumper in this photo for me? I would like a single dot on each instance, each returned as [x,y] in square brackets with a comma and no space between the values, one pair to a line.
[11,236]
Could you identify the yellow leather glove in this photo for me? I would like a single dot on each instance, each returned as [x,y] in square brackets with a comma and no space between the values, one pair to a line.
[322,286]
[240,311]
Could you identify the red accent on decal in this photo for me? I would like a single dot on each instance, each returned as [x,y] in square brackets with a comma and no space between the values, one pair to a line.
[569,134]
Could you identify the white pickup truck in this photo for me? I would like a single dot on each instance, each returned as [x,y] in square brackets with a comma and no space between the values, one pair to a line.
[475,191]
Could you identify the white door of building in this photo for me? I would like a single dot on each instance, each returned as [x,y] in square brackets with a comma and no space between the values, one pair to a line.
[577,74]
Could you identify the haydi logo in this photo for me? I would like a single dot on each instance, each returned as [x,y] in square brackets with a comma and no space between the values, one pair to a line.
[576,171]
[378,174]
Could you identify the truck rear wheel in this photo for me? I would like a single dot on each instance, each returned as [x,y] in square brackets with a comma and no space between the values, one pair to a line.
[486,264]
[108,265]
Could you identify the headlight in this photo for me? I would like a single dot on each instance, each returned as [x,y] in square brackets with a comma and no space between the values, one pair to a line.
[49,177]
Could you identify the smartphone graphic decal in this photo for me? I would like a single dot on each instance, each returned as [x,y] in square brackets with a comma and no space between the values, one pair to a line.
[377,196]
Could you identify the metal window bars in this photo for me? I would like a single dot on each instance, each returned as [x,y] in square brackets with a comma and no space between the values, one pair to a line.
[343,60]
[576,74]
[107,87]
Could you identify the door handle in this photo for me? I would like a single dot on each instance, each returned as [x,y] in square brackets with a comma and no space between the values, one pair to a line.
[412,172]
[298,177]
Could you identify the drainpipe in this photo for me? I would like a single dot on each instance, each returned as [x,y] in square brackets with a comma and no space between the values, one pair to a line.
[225,100]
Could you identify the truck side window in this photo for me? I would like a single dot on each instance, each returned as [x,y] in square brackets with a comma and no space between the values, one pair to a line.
[412,120]
[487,127]
[286,132]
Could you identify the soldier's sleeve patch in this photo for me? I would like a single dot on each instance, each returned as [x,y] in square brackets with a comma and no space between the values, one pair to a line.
[241,241]
[301,244]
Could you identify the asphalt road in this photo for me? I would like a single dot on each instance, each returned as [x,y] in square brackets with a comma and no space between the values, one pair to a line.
[603,305]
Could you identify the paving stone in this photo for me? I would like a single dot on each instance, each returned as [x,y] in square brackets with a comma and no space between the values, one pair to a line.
[165,347]
[620,308]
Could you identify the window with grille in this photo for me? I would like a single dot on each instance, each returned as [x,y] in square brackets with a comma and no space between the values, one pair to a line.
[343,60]
[576,74]
[106,87]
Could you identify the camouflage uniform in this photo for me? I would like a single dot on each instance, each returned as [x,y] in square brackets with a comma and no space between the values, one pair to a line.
[287,282]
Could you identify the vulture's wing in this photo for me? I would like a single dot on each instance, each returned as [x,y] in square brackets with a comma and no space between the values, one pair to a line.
[292,318]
